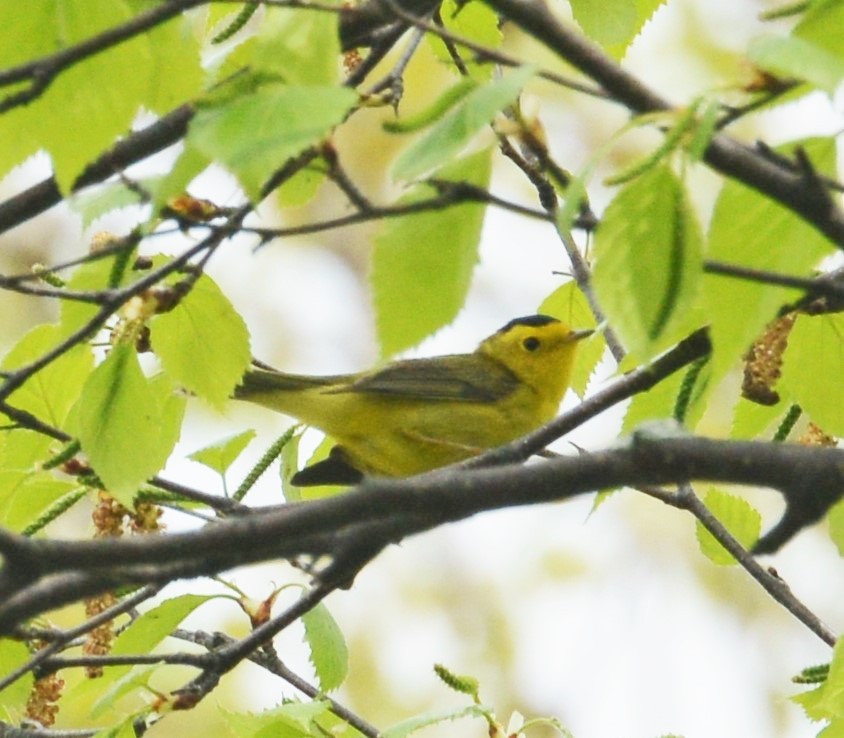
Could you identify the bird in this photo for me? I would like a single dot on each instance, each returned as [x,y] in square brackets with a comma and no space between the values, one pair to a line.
[415,415]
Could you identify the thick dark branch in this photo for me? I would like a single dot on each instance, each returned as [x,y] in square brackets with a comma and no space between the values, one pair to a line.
[43,574]
[134,148]
[795,186]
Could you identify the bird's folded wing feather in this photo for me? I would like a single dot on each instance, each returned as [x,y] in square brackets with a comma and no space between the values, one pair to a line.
[467,378]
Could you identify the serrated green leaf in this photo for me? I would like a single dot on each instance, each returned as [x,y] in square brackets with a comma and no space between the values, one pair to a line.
[13,655]
[300,48]
[255,134]
[126,423]
[423,263]
[94,204]
[789,56]
[750,230]
[812,364]
[613,24]
[329,653]
[50,393]
[568,303]
[834,729]
[648,252]
[203,343]
[406,727]
[99,96]
[220,455]
[737,516]
[446,139]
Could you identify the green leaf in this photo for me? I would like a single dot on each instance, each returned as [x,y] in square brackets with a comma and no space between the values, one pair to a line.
[203,343]
[291,720]
[812,367]
[299,48]
[92,276]
[92,204]
[23,449]
[137,678]
[123,729]
[447,99]
[737,516]
[751,420]
[821,24]
[423,263]
[789,56]
[750,230]
[255,134]
[655,404]
[411,725]
[301,188]
[474,21]
[613,23]
[50,393]
[647,262]
[13,704]
[25,496]
[126,423]
[568,303]
[97,98]
[220,455]
[329,653]
[452,134]
[142,635]
[826,702]
[174,74]
[189,165]
[149,629]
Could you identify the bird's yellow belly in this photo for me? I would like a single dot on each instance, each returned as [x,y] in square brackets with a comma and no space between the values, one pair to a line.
[426,436]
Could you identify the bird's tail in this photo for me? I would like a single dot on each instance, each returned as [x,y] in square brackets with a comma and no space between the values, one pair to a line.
[262,379]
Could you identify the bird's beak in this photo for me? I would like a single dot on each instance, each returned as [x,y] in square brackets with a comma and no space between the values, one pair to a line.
[579,335]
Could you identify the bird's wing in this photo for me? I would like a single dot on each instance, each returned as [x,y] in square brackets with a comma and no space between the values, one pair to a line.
[466,378]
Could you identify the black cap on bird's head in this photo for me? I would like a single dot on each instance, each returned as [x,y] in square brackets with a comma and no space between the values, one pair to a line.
[538,321]
[532,321]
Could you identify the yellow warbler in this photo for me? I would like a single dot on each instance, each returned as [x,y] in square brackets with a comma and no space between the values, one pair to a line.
[419,414]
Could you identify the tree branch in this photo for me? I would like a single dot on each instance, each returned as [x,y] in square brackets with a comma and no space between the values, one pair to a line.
[797,186]
[43,574]
[137,146]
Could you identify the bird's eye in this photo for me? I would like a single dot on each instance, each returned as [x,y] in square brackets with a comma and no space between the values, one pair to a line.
[531,343]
